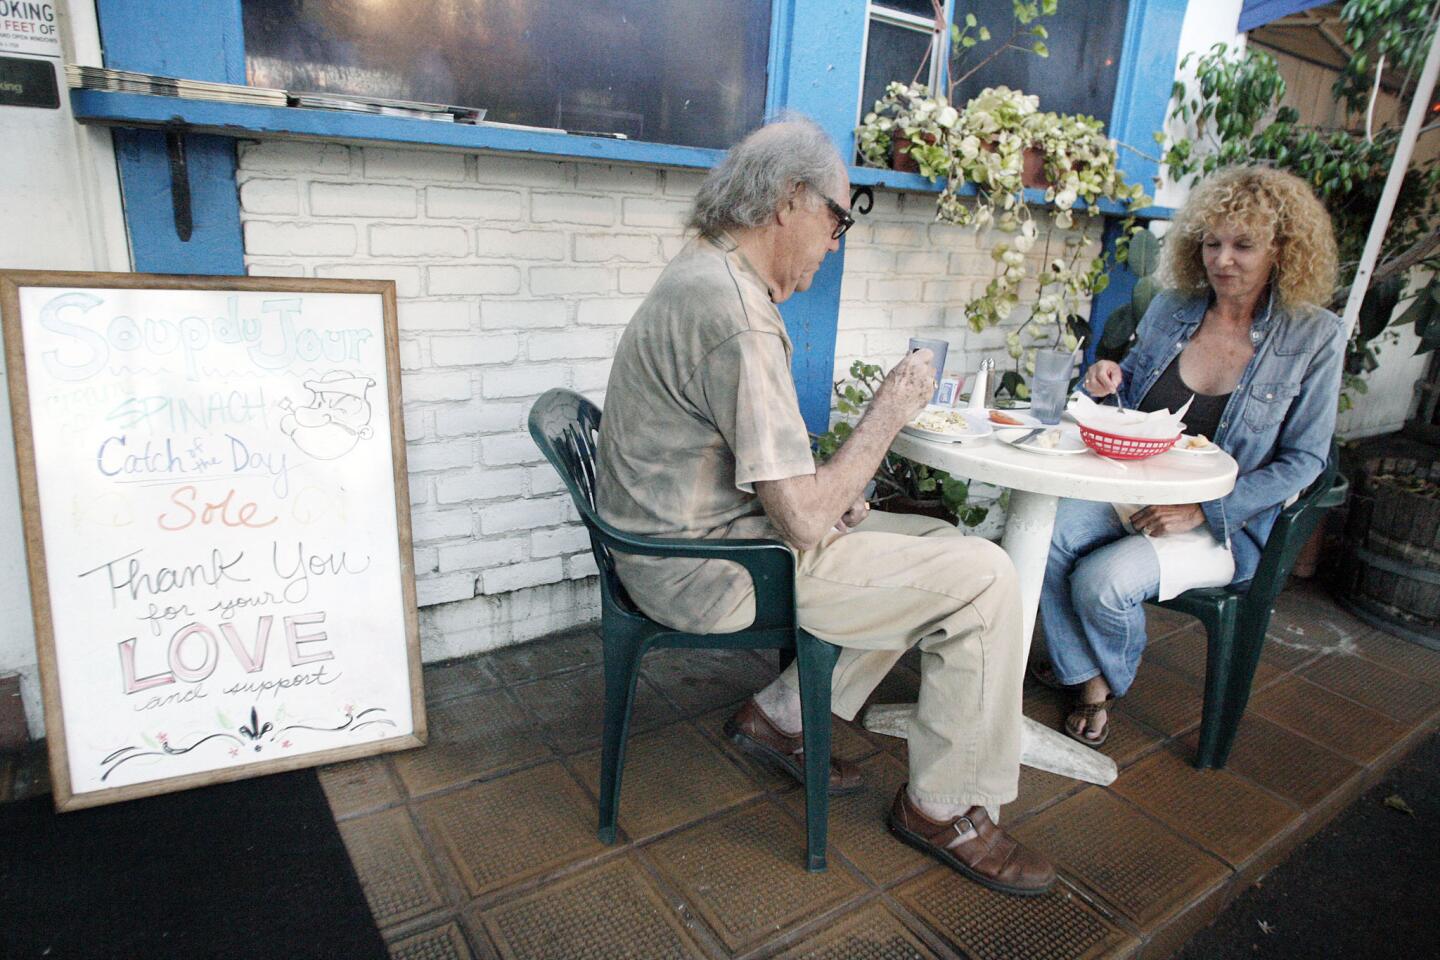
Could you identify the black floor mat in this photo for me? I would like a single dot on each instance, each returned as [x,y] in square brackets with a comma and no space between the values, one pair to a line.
[248,869]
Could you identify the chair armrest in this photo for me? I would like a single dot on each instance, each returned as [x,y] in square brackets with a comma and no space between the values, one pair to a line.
[1337,493]
[770,563]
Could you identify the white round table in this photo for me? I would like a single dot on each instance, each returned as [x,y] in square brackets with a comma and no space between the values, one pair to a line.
[1037,482]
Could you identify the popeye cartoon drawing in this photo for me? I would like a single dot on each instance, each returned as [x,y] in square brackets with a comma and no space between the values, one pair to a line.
[337,417]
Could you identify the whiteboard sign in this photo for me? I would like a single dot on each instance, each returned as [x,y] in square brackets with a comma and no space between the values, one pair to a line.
[217,520]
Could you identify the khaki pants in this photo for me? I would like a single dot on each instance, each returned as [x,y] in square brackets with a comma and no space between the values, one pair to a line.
[898,580]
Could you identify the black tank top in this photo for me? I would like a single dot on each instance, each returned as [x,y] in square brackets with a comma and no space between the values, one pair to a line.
[1170,393]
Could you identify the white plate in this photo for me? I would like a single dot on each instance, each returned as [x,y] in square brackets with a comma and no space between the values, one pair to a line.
[964,425]
[1027,421]
[1070,442]
[1209,449]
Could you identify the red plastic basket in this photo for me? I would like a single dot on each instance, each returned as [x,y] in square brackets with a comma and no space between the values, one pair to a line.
[1116,447]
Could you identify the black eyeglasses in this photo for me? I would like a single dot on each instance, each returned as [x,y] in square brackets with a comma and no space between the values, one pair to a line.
[843,220]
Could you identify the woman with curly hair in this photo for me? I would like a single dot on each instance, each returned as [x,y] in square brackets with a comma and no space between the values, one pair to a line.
[1249,260]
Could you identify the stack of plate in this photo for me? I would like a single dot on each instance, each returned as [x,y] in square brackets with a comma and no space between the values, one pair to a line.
[127,81]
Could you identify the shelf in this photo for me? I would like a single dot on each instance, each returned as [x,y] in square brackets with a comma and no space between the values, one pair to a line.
[140,110]
[147,111]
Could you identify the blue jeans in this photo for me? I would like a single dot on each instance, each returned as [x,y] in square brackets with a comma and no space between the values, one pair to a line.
[1096,583]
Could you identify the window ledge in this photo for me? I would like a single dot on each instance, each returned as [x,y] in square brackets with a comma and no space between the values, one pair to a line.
[140,110]
[915,183]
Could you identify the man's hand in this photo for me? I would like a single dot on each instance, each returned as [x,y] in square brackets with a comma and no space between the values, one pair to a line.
[1102,379]
[854,516]
[809,507]
[907,388]
[1160,519]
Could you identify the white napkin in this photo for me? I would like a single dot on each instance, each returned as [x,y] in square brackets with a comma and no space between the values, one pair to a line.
[1156,425]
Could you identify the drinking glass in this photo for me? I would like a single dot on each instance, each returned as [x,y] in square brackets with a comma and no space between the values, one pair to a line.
[1050,385]
[939,348]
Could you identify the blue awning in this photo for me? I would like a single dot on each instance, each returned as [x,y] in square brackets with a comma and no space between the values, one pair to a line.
[1257,13]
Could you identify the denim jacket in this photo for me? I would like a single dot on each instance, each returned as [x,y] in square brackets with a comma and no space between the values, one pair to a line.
[1277,423]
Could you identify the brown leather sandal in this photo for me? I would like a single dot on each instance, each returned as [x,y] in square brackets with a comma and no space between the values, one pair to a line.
[1086,712]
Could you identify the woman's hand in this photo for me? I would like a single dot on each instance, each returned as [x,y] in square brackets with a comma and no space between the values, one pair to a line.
[1102,379]
[1160,519]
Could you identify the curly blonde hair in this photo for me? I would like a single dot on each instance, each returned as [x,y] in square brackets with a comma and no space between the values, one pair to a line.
[1278,209]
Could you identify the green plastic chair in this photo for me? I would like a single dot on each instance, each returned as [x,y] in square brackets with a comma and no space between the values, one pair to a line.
[565,426]
[1236,617]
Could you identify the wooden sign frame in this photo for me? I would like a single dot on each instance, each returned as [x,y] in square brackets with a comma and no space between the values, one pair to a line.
[249,729]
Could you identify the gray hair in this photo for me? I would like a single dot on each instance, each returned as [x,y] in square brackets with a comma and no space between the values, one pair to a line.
[762,171]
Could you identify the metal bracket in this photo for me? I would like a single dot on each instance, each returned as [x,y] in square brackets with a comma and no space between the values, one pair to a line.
[862,193]
[179,181]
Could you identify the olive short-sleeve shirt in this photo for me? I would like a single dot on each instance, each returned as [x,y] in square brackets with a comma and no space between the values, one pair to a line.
[699,406]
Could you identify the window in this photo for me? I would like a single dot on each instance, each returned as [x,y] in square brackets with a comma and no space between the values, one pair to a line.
[899,38]
[690,72]
[1080,73]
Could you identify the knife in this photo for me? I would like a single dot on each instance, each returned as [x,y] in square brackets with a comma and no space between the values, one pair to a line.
[1027,438]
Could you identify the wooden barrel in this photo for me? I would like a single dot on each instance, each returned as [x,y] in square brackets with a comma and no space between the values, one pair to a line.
[1391,574]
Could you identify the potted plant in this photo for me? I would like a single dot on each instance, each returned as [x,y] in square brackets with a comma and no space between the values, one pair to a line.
[1003,144]
[902,485]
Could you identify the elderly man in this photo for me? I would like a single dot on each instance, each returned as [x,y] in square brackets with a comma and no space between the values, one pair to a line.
[702,437]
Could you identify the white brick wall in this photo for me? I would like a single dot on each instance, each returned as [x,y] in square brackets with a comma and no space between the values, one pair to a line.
[515,275]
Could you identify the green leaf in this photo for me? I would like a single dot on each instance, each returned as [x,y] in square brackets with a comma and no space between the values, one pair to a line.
[1419,311]
[1144,253]
[1012,384]
[1144,292]
[1040,49]
[1428,329]
[1378,306]
[970,20]
[967,42]
[1119,328]
[984,33]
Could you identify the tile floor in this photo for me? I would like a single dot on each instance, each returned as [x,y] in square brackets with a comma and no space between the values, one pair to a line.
[482,844]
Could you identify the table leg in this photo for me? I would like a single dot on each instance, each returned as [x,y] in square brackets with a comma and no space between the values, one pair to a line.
[1040,747]
[1027,541]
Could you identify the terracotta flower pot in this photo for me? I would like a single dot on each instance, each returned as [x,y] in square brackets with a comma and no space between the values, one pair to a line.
[900,159]
[1032,174]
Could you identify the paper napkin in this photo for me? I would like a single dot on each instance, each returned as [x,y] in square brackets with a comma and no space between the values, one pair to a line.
[1156,425]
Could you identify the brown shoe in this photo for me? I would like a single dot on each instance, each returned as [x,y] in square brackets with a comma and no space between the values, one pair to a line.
[753,732]
[975,846]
